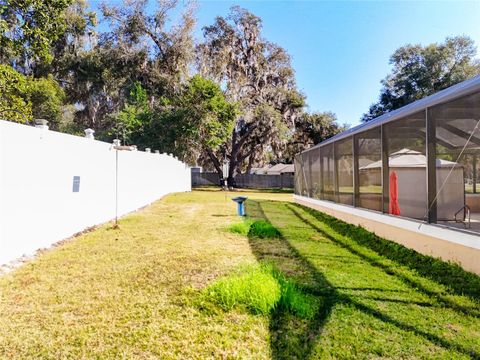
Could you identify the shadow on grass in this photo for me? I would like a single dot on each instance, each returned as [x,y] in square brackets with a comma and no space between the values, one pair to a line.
[292,337]
[457,280]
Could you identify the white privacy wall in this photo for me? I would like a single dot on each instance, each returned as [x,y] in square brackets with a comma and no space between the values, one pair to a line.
[37,203]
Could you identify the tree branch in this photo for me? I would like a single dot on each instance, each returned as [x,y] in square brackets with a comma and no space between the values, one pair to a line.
[215,162]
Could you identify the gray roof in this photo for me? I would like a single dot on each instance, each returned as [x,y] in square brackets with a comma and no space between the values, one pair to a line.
[260,170]
[407,158]
[461,89]
[282,168]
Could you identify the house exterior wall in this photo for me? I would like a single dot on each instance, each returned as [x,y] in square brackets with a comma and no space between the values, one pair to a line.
[39,204]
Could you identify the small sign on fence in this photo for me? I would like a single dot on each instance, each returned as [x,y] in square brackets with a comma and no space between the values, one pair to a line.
[76,184]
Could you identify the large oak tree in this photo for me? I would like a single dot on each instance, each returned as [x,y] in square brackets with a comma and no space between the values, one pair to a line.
[257,74]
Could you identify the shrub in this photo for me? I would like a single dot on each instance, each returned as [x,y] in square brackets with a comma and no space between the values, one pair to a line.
[253,288]
[241,228]
[260,289]
[263,229]
[260,228]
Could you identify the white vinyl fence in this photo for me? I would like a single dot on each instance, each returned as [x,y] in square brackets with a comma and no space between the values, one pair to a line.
[53,185]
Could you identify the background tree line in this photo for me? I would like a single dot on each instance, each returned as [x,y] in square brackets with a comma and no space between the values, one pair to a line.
[419,71]
[230,96]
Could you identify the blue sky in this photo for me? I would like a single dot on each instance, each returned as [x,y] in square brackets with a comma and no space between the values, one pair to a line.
[340,50]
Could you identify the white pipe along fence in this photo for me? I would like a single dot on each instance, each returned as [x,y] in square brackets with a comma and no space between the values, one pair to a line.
[53,185]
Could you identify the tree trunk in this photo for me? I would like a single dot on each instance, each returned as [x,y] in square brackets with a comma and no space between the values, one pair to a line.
[250,163]
[216,165]
[231,174]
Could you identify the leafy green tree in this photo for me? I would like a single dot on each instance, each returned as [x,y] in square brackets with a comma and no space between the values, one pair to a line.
[199,120]
[46,98]
[24,98]
[208,116]
[27,30]
[312,129]
[15,104]
[421,71]
[78,37]
[130,122]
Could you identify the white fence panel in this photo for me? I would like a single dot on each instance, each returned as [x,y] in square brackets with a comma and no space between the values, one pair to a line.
[37,168]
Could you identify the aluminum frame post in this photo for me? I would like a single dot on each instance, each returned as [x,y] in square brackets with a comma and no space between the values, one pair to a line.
[430,126]
[356,183]
[385,171]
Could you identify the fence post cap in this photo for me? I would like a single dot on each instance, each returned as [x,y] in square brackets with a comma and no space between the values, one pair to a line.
[41,124]
[89,133]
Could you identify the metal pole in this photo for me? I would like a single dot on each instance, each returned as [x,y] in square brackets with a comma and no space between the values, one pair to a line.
[474,180]
[116,188]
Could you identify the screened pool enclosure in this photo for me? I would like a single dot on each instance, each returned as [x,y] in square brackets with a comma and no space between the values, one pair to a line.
[420,161]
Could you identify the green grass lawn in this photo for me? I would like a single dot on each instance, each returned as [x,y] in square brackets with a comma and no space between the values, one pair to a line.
[396,305]
[135,292]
